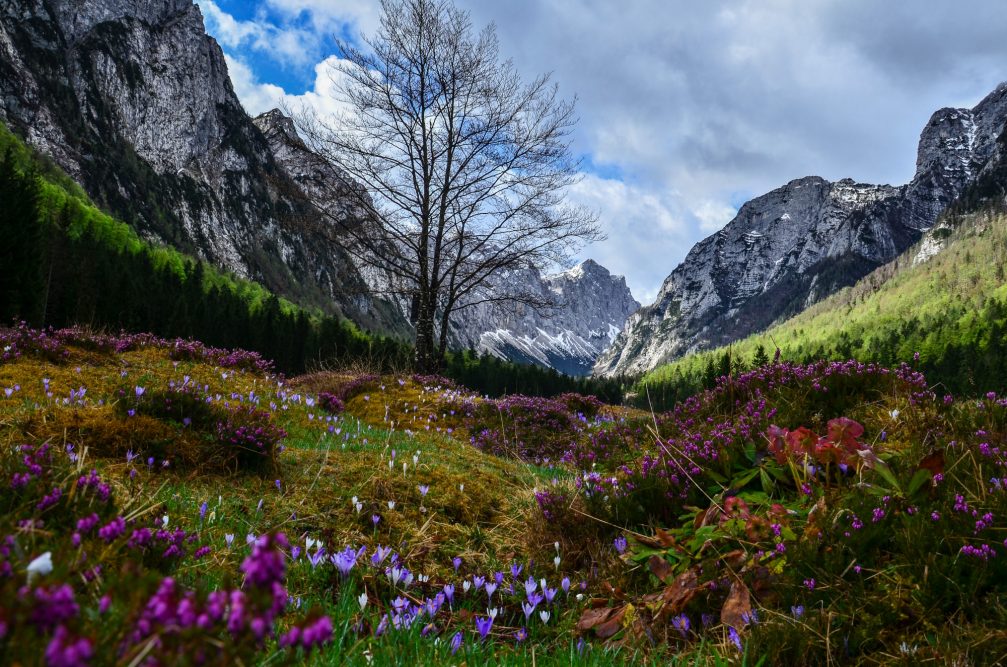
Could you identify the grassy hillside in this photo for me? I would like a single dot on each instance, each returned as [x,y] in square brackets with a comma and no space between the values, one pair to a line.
[181,503]
[950,310]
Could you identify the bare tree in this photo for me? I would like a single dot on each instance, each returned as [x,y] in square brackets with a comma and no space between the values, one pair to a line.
[464,166]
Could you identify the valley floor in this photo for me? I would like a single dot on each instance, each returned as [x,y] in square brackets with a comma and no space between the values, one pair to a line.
[168,503]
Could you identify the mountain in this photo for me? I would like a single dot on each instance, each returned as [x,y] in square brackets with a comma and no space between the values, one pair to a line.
[591,305]
[133,100]
[802,242]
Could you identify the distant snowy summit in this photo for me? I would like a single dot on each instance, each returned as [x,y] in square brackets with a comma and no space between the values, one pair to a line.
[591,307]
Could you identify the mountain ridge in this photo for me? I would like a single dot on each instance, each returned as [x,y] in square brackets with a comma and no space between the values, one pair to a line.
[794,245]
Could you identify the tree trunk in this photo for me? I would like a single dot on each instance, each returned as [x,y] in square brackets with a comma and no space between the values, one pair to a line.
[426,358]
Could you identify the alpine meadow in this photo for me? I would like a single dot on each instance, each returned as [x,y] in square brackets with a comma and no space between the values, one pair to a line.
[443,332]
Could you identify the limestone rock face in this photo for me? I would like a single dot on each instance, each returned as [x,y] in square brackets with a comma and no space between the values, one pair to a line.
[590,307]
[799,243]
[133,99]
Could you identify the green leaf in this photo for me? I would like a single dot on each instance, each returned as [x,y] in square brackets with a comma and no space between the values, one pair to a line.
[768,485]
[716,476]
[886,474]
[740,481]
[750,451]
[921,477]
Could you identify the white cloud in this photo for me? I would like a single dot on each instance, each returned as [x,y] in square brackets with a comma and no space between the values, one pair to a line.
[643,229]
[257,97]
[713,215]
[290,45]
[696,101]
[332,16]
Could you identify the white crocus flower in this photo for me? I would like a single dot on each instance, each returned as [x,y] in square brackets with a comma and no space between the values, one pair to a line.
[362,599]
[41,566]
[544,615]
[164,521]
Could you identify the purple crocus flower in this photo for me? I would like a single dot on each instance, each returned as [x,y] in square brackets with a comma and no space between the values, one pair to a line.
[345,560]
[202,511]
[681,623]
[515,570]
[732,634]
[316,558]
[530,585]
[478,582]
[380,553]
[457,562]
[424,489]
[550,593]
[449,592]
[456,643]
[490,589]
[620,544]
[565,585]
[484,625]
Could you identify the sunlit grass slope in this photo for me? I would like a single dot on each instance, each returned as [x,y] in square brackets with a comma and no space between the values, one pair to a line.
[943,308]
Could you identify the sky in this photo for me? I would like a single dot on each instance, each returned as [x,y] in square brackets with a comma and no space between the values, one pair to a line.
[687,109]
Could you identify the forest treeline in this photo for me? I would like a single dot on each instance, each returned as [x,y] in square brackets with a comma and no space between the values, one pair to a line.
[66,263]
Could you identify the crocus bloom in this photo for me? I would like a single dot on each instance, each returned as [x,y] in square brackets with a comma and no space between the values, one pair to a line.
[41,566]
[456,643]
[484,625]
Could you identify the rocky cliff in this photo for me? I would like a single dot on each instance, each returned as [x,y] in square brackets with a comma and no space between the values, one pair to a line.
[133,99]
[803,241]
[590,305]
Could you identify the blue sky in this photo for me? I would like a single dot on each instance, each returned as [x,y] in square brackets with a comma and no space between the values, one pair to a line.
[688,109]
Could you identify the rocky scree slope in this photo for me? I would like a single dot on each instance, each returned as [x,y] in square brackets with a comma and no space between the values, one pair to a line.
[133,99]
[799,243]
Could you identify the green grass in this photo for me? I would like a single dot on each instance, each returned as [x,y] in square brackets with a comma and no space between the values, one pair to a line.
[949,302]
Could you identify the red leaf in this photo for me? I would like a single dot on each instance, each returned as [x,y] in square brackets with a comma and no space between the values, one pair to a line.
[680,592]
[934,462]
[659,567]
[612,625]
[737,607]
[593,617]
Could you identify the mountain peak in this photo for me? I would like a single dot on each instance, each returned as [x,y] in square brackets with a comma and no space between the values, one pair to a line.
[795,245]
